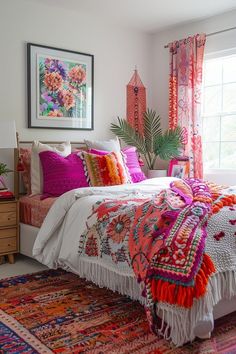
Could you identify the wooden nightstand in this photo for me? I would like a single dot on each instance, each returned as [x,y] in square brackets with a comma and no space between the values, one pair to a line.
[9,229]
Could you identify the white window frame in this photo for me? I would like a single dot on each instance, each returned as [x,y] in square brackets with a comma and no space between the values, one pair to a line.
[219,171]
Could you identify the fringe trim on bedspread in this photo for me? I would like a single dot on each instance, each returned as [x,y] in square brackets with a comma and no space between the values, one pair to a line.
[103,277]
[178,324]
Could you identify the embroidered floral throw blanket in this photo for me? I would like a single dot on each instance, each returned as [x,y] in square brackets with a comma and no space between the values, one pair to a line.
[163,238]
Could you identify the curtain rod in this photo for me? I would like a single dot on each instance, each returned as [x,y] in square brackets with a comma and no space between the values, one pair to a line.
[213,33]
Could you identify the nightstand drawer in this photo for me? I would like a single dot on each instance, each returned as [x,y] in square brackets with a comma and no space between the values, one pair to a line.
[8,233]
[4,207]
[8,219]
[8,244]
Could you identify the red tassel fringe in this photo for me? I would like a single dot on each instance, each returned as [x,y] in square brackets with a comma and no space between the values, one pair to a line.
[163,291]
[228,200]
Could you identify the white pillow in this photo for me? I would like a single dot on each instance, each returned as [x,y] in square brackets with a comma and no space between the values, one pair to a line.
[107,145]
[36,169]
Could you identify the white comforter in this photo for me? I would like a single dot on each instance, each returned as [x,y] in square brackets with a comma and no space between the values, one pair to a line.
[57,241]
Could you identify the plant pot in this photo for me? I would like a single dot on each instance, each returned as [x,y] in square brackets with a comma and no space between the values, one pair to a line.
[2,183]
[156,173]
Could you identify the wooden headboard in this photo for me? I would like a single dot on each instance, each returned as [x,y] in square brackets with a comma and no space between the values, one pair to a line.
[27,143]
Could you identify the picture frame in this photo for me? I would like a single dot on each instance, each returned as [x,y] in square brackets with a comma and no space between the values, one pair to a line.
[60,88]
[178,168]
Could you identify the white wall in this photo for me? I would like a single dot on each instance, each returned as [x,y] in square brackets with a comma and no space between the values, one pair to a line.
[160,58]
[116,52]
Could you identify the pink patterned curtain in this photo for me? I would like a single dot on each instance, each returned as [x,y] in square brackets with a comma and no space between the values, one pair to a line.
[186,59]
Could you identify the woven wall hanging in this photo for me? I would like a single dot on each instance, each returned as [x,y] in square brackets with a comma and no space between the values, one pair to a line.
[136,102]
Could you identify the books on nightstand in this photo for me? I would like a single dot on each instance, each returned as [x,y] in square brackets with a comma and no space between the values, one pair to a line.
[5,195]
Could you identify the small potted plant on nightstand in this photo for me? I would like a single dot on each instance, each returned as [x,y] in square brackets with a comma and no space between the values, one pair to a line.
[3,172]
[153,143]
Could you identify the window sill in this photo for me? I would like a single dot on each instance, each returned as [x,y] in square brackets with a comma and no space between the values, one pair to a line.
[220,171]
[221,176]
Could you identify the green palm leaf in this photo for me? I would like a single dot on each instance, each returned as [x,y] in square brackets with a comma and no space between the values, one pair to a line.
[152,130]
[168,145]
[154,143]
[125,132]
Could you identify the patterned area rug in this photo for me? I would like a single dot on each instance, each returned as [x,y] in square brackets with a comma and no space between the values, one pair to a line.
[57,312]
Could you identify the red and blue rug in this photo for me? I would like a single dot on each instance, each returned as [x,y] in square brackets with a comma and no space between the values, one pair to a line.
[57,312]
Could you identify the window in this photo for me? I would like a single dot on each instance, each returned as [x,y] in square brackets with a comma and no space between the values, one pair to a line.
[219,113]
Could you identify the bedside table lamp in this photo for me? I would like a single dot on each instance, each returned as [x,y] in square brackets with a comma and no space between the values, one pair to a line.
[7,138]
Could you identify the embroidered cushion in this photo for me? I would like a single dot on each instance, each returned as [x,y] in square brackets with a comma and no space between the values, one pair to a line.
[131,160]
[105,170]
[36,170]
[61,174]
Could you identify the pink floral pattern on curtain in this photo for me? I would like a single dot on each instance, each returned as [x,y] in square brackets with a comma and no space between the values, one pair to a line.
[186,60]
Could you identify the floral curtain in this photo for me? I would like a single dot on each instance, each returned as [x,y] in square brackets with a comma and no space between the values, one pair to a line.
[186,60]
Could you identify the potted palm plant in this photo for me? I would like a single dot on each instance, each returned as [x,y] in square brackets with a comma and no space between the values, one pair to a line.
[153,143]
[3,171]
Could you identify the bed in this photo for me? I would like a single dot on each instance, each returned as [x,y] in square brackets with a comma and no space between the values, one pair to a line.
[33,211]
[61,242]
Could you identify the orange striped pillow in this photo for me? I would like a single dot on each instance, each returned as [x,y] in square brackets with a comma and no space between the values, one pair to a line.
[106,170]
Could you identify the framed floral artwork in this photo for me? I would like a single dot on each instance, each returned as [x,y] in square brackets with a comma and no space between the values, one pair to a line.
[178,168]
[60,88]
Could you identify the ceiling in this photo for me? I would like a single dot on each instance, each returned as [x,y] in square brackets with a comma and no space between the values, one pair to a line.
[147,15]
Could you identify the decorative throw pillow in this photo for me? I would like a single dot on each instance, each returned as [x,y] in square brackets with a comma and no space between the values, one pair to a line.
[36,170]
[25,156]
[133,164]
[105,170]
[61,174]
[108,145]
[131,161]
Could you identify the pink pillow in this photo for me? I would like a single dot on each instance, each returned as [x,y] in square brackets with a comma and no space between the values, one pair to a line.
[132,162]
[133,165]
[61,174]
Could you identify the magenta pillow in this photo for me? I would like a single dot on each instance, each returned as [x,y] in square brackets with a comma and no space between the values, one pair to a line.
[61,174]
[132,162]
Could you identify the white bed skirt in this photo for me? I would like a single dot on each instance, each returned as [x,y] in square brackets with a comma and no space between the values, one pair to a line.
[203,329]
[28,236]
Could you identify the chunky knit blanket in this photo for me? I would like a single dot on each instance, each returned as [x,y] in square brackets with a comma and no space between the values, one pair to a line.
[178,270]
[167,245]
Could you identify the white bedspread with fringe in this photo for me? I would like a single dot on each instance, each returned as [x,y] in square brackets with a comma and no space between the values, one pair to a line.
[57,246]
